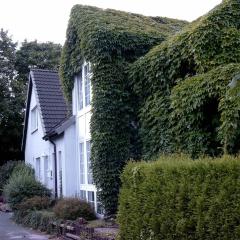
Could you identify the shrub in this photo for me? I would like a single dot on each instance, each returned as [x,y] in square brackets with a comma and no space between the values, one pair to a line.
[73,208]
[35,203]
[41,220]
[6,171]
[178,198]
[23,185]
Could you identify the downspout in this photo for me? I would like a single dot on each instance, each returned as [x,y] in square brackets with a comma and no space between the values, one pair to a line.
[55,167]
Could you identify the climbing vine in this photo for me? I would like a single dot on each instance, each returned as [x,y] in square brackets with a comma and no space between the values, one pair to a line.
[111,40]
[193,70]
[155,91]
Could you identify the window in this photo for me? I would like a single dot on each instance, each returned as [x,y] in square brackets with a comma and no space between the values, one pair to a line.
[87,84]
[46,170]
[100,209]
[91,198]
[80,93]
[82,169]
[34,119]
[83,195]
[38,169]
[89,170]
[60,184]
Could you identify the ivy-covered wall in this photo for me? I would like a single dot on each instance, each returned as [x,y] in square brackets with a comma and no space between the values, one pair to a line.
[111,40]
[185,101]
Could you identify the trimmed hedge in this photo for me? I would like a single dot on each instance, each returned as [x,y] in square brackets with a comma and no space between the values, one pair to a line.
[178,198]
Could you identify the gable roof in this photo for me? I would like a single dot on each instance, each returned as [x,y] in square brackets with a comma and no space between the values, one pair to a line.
[50,100]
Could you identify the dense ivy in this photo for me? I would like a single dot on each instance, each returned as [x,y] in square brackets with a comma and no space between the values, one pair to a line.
[197,117]
[111,40]
[193,70]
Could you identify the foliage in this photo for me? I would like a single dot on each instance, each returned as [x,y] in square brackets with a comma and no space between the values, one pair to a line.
[198,119]
[34,203]
[14,70]
[9,135]
[37,55]
[23,185]
[6,171]
[185,81]
[73,208]
[178,198]
[110,40]
[41,220]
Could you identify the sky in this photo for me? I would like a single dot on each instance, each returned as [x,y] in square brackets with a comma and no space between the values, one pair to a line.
[46,20]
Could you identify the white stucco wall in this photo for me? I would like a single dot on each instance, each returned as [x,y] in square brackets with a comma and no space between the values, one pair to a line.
[71,162]
[36,147]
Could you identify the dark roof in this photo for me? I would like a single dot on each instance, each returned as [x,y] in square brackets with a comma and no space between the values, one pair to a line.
[50,97]
[50,100]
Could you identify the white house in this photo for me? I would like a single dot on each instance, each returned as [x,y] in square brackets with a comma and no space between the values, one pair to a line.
[56,141]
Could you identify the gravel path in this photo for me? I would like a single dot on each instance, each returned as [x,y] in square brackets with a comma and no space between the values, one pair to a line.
[9,230]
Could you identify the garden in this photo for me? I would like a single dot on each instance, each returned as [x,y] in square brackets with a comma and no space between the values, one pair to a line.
[33,207]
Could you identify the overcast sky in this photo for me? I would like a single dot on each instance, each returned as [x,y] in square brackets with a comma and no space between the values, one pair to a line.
[46,20]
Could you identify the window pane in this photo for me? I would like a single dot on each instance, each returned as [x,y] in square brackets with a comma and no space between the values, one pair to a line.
[34,123]
[38,169]
[100,209]
[89,170]
[87,90]
[83,195]
[80,93]
[82,171]
[91,198]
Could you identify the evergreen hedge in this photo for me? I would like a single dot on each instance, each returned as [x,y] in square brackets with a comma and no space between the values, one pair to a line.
[178,198]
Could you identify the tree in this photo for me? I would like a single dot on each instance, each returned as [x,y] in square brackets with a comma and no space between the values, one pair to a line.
[37,55]
[33,55]
[14,70]
[8,136]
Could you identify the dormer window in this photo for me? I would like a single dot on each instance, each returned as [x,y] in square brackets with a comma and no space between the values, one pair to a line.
[34,119]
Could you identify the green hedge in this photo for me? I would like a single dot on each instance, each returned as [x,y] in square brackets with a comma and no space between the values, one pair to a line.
[178,198]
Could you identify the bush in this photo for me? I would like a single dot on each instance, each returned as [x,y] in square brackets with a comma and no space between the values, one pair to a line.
[178,198]
[41,220]
[35,203]
[73,208]
[6,171]
[23,185]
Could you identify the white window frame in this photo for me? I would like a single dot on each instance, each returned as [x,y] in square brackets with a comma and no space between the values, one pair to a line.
[87,75]
[82,163]
[38,168]
[80,93]
[84,87]
[34,122]
[88,162]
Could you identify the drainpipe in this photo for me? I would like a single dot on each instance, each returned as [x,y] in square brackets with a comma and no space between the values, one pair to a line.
[55,167]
